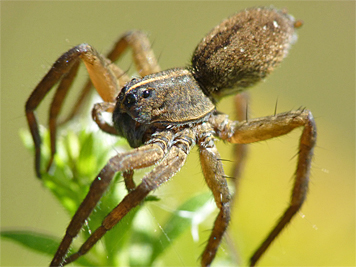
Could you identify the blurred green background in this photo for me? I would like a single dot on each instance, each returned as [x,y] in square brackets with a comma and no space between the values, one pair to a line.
[319,73]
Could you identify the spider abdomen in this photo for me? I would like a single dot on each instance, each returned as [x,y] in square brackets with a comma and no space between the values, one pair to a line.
[242,50]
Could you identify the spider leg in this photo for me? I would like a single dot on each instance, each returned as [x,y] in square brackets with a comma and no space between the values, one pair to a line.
[64,70]
[240,150]
[144,58]
[145,63]
[215,178]
[141,157]
[97,111]
[267,128]
[142,53]
[171,163]
[128,179]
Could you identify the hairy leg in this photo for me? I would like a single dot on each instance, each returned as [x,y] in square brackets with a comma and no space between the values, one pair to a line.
[171,163]
[240,150]
[216,180]
[97,111]
[141,157]
[267,128]
[143,56]
[63,71]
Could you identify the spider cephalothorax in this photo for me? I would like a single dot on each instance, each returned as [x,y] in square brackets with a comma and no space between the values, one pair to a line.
[167,98]
[164,114]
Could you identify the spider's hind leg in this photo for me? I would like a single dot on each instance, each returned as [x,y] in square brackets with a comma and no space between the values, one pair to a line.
[240,150]
[266,128]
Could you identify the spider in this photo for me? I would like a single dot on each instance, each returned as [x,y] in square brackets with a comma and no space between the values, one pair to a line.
[163,114]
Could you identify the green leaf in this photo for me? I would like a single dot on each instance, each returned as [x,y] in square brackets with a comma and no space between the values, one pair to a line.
[80,156]
[39,242]
[34,241]
[189,214]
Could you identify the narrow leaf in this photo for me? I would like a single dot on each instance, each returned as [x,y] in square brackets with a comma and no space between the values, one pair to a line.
[189,214]
[38,242]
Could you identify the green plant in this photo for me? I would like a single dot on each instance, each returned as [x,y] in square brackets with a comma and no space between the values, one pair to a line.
[80,156]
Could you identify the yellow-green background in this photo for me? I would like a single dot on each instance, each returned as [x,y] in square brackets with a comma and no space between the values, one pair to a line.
[319,73]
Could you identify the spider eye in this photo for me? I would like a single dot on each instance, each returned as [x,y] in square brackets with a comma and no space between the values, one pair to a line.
[146,93]
[130,99]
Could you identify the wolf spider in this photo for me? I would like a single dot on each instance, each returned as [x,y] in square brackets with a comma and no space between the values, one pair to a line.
[163,114]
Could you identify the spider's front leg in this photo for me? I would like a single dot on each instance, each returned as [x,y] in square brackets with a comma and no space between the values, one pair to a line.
[64,71]
[171,163]
[267,128]
[143,56]
[106,77]
[141,157]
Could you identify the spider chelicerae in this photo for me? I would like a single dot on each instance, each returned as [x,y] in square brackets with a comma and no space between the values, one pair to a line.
[163,114]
